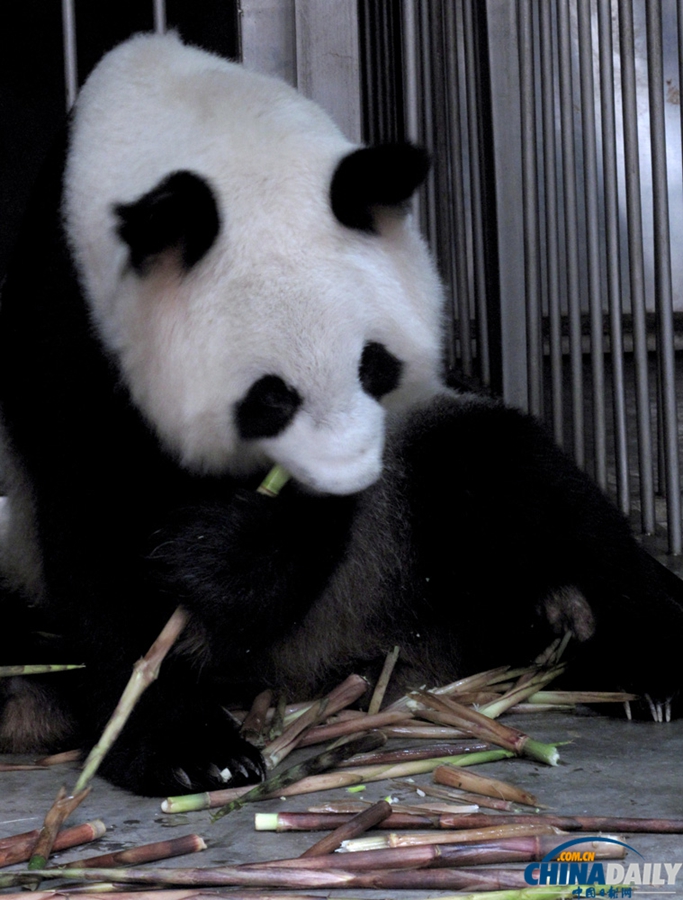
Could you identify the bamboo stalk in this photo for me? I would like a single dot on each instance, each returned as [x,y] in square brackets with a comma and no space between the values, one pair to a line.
[13,671]
[355,826]
[521,691]
[276,784]
[465,797]
[335,870]
[145,672]
[322,733]
[464,836]
[447,711]
[58,759]
[272,877]
[56,815]
[571,698]
[341,778]
[574,823]
[274,481]
[420,731]
[406,754]
[134,856]
[95,893]
[18,847]
[528,848]
[277,721]
[481,784]
[293,735]
[20,767]
[383,681]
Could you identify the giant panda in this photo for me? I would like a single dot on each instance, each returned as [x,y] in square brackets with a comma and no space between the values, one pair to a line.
[213,280]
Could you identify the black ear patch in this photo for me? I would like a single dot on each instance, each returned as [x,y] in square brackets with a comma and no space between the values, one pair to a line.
[267,408]
[379,370]
[179,213]
[384,175]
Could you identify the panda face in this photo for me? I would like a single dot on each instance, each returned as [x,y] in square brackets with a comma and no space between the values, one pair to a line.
[254,276]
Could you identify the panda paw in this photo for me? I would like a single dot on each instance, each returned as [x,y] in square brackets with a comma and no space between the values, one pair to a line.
[201,752]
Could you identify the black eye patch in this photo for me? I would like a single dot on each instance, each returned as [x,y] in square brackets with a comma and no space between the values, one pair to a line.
[268,407]
[379,370]
[180,212]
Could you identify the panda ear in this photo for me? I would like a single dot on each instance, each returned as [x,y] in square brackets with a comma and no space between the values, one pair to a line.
[384,175]
[180,214]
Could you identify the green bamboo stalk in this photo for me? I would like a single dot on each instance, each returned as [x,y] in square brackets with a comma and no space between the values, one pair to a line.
[316,764]
[12,671]
[340,778]
[274,481]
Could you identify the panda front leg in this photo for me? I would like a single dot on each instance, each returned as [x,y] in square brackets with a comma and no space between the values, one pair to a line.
[528,547]
[246,571]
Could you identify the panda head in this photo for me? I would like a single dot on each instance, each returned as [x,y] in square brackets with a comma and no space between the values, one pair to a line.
[255,277]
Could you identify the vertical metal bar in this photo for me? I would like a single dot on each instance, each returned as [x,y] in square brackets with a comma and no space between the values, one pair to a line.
[410,31]
[503,65]
[662,263]
[551,219]
[159,10]
[530,205]
[457,240]
[570,225]
[636,265]
[479,273]
[613,273]
[590,170]
[70,57]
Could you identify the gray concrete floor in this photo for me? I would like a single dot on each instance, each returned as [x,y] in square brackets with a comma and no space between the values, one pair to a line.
[610,767]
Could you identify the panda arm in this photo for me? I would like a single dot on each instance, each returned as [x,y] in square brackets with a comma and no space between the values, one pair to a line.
[248,570]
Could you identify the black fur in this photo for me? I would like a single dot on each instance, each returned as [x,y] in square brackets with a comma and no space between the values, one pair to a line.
[379,370]
[179,213]
[384,175]
[268,407]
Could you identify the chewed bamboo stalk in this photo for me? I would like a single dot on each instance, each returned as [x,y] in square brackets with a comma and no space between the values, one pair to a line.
[58,759]
[571,698]
[464,836]
[278,783]
[12,671]
[421,731]
[481,784]
[18,847]
[56,815]
[465,797]
[406,754]
[293,734]
[134,856]
[322,733]
[521,691]
[355,826]
[20,767]
[383,681]
[341,778]
[447,711]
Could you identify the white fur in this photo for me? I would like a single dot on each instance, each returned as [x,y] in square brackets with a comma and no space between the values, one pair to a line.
[285,290]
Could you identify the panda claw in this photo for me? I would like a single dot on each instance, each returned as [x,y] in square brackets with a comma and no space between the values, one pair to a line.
[183,777]
[627,710]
